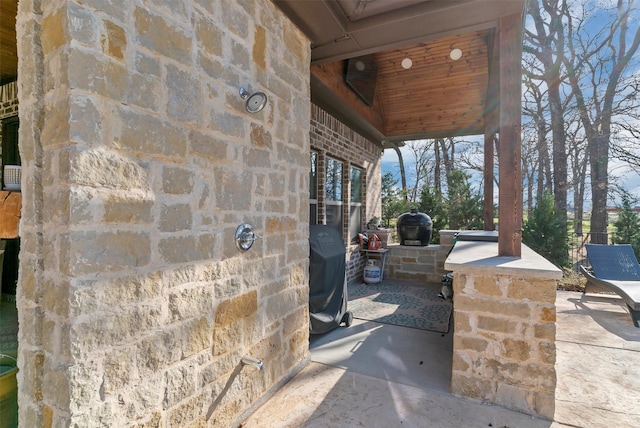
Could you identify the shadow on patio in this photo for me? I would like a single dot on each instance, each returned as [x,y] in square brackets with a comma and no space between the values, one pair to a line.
[379,375]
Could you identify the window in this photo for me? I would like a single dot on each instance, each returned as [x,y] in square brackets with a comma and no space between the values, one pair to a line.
[313,189]
[355,204]
[333,194]
[9,138]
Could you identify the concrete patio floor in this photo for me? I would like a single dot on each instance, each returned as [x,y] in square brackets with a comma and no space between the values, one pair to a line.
[377,375]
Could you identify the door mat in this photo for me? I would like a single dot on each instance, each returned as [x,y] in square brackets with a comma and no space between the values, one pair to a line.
[415,306]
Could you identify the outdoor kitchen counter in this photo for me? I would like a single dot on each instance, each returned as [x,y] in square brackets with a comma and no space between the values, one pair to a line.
[482,257]
[504,318]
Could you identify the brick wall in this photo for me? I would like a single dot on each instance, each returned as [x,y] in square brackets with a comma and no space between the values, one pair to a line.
[332,138]
[139,163]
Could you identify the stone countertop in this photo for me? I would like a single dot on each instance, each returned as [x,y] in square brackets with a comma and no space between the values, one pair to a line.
[482,257]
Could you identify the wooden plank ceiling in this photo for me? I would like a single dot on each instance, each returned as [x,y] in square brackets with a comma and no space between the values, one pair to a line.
[436,97]
[8,45]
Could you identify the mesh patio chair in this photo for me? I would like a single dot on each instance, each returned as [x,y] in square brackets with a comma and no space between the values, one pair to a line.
[614,268]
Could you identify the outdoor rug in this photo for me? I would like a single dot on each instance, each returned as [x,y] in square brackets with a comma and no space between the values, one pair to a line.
[415,306]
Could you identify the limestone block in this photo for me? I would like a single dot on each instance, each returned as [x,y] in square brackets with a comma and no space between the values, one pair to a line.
[232,189]
[166,38]
[102,168]
[547,352]
[464,322]
[547,314]
[184,95]
[179,384]
[516,349]
[231,310]
[147,134]
[190,302]
[514,398]
[148,93]
[81,24]
[470,343]
[153,421]
[115,9]
[177,180]
[207,146]
[487,286]
[184,249]
[175,217]
[460,363]
[146,64]
[53,31]
[91,252]
[227,123]
[128,208]
[295,42]
[545,331]
[157,351]
[473,387]
[209,37]
[259,52]
[545,404]
[114,40]
[296,321]
[120,368]
[235,19]
[86,120]
[196,337]
[498,324]
[535,290]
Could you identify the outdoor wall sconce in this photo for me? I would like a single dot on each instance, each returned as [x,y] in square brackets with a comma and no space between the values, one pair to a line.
[245,236]
[254,102]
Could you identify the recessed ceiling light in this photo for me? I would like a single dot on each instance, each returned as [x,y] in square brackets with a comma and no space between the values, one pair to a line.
[406,63]
[455,54]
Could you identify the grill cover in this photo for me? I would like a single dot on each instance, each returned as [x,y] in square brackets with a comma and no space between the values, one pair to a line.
[327,279]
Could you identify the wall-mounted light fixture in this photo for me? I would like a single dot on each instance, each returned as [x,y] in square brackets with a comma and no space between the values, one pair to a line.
[245,236]
[455,54]
[255,102]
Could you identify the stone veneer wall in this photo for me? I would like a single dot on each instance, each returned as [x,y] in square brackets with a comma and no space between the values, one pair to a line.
[139,162]
[504,348]
[330,137]
[420,264]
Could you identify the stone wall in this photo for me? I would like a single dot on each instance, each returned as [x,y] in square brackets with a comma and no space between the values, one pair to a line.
[330,137]
[419,264]
[139,162]
[504,348]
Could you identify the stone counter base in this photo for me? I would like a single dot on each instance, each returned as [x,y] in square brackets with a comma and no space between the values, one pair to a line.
[504,348]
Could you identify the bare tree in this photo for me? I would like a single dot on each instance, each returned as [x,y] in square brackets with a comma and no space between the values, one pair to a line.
[596,65]
[403,173]
[545,42]
[423,167]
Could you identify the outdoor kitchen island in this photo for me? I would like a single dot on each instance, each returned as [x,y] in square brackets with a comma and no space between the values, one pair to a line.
[504,348]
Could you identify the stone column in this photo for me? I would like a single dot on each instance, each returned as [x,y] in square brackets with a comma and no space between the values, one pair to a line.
[504,328]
